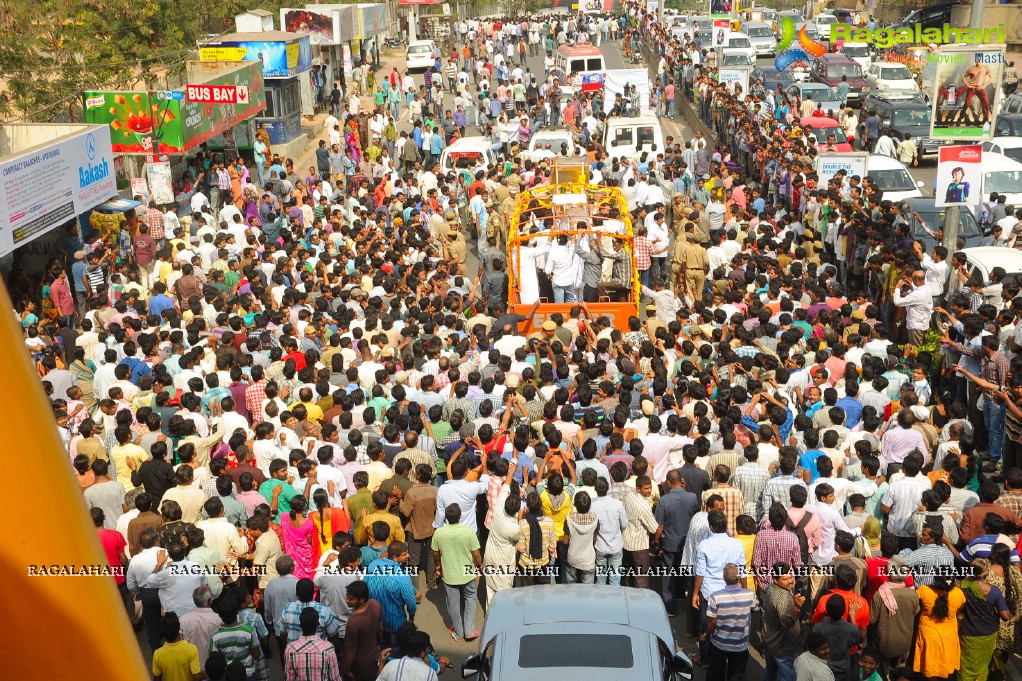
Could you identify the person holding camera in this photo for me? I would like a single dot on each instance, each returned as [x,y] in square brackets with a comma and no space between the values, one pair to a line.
[914,295]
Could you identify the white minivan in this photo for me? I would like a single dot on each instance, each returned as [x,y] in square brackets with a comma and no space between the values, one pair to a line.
[1002,175]
[469,152]
[892,178]
[628,137]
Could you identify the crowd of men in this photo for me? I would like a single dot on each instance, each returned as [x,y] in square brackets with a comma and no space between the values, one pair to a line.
[291,420]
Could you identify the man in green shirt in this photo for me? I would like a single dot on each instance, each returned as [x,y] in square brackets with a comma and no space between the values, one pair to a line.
[278,491]
[456,554]
[360,503]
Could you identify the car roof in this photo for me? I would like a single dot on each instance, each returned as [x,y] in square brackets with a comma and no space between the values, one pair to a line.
[818,122]
[886,63]
[995,256]
[1001,162]
[1008,141]
[645,119]
[513,609]
[469,144]
[420,42]
[757,24]
[882,162]
[836,57]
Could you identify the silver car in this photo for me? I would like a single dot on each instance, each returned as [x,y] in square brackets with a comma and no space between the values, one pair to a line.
[761,35]
[577,633]
[821,94]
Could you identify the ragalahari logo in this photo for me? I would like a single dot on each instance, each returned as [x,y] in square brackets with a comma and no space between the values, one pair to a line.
[807,47]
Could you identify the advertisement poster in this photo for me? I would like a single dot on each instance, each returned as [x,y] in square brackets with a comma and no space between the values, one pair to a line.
[346,58]
[137,122]
[735,76]
[721,27]
[828,165]
[161,182]
[322,26]
[720,9]
[49,185]
[959,176]
[967,91]
[279,59]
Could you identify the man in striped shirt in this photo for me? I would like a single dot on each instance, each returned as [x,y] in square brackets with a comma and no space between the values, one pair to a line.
[728,619]
[310,658]
[238,642]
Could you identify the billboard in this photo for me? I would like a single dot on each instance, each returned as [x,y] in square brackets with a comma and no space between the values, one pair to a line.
[720,9]
[280,59]
[138,120]
[828,165]
[966,91]
[323,27]
[53,183]
[959,176]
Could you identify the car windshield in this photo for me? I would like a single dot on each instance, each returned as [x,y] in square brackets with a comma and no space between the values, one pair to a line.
[819,93]
[837,131]
[895,73]
[737,60]
[554,142]
[855,50]
[543,651]
[893,180]
[738,42]
[837,70]
[826,19]
[912,117]
[1006,181]
[934,218]
[1014,153]
[761,32]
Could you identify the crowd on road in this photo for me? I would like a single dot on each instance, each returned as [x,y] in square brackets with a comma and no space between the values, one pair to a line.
[293,411]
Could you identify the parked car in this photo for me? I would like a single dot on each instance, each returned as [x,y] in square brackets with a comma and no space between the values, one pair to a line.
[834,67]
[555,137]
[1012,103]
[904,114]
[574,631]
[934,218]
[823,23]
[1003,175]
[739,42]
[1006,146]
[421,54]
[736,58]
[822,128]
[821,94]
[860,53]
[704,38]
[771,77]
[761,36]
[1008,125]
[892,178]
[983,259]
[886,75]
[931,16]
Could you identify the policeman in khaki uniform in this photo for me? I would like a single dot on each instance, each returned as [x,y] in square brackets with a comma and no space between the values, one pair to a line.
[455,250]
[694,264]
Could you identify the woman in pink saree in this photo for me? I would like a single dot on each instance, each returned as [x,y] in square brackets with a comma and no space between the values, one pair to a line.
[299,533]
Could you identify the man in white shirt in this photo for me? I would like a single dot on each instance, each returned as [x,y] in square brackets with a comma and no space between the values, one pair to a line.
[917,298]
[460,491]
[831,522]
[176,578]
[936,268]
[562,266]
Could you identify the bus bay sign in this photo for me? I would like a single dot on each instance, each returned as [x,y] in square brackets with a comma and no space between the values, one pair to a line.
[217,94]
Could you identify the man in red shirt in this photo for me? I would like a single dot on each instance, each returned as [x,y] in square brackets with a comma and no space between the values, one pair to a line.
[114,545]
[856,607]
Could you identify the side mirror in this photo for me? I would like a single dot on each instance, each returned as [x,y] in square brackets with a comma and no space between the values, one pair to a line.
[471,666]
[681,667]
[613,143]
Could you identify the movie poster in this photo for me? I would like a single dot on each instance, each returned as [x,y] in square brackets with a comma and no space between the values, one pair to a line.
[966,91]
[720,9]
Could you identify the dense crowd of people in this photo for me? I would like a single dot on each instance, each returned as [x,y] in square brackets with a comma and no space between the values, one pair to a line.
[294,408]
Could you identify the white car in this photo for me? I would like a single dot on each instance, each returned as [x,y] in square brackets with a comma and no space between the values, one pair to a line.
[1003,175]
[555,138]
[885,75]
[739,42]
[983,259]
[736,58]
[470,152]
[761,35]
[1006,146]
[421,54]
[892,178]
[859,53]
[823,23]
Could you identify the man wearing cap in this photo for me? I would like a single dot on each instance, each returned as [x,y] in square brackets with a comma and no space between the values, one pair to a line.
[693,264]
[81,288]
[455,251]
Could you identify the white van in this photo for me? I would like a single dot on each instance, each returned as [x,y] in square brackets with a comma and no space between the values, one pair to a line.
[893,178]
[629,137]
[1002,175]
[475,151]
[737,41]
